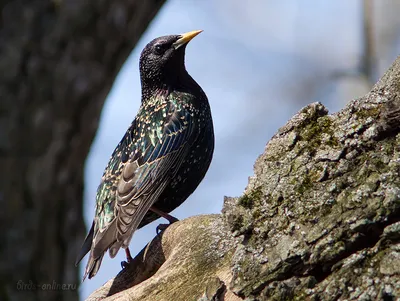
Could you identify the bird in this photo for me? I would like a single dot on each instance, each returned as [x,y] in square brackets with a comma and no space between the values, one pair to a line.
[161,159]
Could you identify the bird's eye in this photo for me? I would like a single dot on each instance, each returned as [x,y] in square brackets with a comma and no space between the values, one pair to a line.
[158,49]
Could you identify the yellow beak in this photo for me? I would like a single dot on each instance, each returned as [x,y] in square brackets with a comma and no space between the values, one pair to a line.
[185,38]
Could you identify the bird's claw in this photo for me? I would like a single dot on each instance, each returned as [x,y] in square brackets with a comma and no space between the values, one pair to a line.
[161,227]
[124,264]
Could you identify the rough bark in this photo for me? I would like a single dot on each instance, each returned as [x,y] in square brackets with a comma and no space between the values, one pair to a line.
[58,60]
[319,220]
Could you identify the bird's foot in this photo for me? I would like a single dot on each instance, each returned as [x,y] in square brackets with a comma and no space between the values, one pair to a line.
[161,228]
[129,259]
[172,219]
[124,264]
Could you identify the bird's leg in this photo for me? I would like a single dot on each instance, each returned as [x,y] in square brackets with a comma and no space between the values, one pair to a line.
[129,259]
[128,255]
[170,218]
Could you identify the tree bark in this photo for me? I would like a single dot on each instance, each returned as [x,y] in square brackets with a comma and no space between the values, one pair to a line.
[319,220]
[58,60]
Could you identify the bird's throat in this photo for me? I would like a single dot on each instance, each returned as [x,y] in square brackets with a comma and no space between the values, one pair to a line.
[158,93]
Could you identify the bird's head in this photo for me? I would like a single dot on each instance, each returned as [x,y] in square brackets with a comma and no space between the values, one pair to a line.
[162,60]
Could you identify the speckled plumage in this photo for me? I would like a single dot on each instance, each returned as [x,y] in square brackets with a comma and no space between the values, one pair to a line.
[162,157]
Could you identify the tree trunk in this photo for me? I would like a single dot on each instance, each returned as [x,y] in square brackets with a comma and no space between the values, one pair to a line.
[319,220]
[58,60]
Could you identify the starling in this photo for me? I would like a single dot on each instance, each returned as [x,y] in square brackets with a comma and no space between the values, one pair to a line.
[161,159]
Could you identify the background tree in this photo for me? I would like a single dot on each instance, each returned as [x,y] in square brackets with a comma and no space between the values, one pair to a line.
[58,60]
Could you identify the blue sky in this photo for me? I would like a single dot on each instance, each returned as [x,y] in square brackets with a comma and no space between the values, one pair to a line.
[259,63]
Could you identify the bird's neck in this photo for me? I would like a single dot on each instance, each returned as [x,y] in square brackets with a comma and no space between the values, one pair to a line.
[164,86]
[154,90]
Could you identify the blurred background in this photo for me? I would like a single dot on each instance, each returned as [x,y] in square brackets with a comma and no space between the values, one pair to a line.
[259,62]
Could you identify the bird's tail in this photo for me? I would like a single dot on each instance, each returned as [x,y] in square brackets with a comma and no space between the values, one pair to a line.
[92,266]
[87,244]
[97,245]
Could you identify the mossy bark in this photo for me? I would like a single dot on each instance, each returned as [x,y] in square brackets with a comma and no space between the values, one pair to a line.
[319,220]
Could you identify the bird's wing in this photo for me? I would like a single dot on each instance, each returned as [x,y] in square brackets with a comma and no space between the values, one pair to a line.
[156,155]
[144,178]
